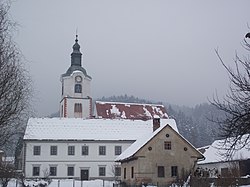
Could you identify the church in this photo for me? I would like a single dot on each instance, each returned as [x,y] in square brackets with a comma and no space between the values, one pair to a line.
[84,142]
[76,100]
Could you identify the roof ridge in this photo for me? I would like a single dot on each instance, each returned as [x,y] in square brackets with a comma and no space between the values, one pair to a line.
[112,102]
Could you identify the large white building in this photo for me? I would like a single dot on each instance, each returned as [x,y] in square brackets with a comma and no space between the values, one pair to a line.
[80,148]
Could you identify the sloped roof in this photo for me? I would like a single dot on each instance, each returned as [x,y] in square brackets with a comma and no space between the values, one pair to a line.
[74,68]
[112,110]
[88,129]
[217,151]
[142,141]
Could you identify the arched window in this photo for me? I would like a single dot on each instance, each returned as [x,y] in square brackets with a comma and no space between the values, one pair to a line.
[78,88]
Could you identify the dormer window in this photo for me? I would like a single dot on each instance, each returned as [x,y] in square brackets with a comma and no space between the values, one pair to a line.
[78,88]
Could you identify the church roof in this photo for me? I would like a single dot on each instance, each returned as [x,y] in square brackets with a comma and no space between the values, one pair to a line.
[112,110]
[89,129]
[74,68]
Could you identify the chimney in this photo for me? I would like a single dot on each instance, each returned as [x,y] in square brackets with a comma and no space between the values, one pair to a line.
[156,122]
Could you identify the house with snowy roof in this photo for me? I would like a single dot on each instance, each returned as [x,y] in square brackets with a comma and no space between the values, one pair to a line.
[216,158]
[158,157]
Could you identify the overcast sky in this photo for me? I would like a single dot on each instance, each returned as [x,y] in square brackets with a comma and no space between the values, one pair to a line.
[154,49]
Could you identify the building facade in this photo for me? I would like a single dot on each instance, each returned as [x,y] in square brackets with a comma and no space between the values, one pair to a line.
[159,159]
[84,160]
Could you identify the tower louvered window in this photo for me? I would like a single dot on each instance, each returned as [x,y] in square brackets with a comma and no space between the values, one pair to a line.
[78,107]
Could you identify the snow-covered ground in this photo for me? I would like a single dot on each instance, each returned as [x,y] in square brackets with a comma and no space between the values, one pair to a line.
[74,183]
[66,183]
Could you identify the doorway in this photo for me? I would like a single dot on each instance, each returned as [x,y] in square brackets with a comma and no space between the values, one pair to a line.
[84,174]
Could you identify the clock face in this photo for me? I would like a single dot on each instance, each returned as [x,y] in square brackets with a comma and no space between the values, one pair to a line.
[78,78]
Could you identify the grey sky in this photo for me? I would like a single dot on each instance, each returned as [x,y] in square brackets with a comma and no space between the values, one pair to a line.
[155,49]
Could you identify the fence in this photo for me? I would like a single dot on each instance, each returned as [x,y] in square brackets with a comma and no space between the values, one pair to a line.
[201,182]
[78,183]
[60,183]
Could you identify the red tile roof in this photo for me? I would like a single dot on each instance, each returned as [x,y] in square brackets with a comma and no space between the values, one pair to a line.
[112,110]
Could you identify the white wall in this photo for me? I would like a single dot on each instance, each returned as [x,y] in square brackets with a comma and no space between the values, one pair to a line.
[62,159]
[71,97]
[69,83]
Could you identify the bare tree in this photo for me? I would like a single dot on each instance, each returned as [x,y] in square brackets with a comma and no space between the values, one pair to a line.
[235,126]
[7,172]
[115,171]
[15,84]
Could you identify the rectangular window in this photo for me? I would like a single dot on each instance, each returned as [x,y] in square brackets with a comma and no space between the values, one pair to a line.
[224,172]
[102,150]
[53,150]
[85,150]
[102,171]
[36,171]
[174,171]
[118,150]
[70,171]
[124,173]
[71,150]
[52,170]
[167,145]
[132,172]
[117,171]
[78,107]
[36,150]
[161,171]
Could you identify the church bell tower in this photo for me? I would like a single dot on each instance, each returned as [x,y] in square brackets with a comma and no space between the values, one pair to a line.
[76,101]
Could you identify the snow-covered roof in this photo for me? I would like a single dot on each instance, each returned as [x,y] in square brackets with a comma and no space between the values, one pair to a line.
[217,151]
[143,140]
[130,151]
[112,110]
[89,129]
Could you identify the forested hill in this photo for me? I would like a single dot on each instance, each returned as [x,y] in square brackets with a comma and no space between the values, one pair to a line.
[194,123]
[127,99]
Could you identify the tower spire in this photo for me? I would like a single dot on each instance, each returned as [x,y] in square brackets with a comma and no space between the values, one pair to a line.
[76,55]
[76,40]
